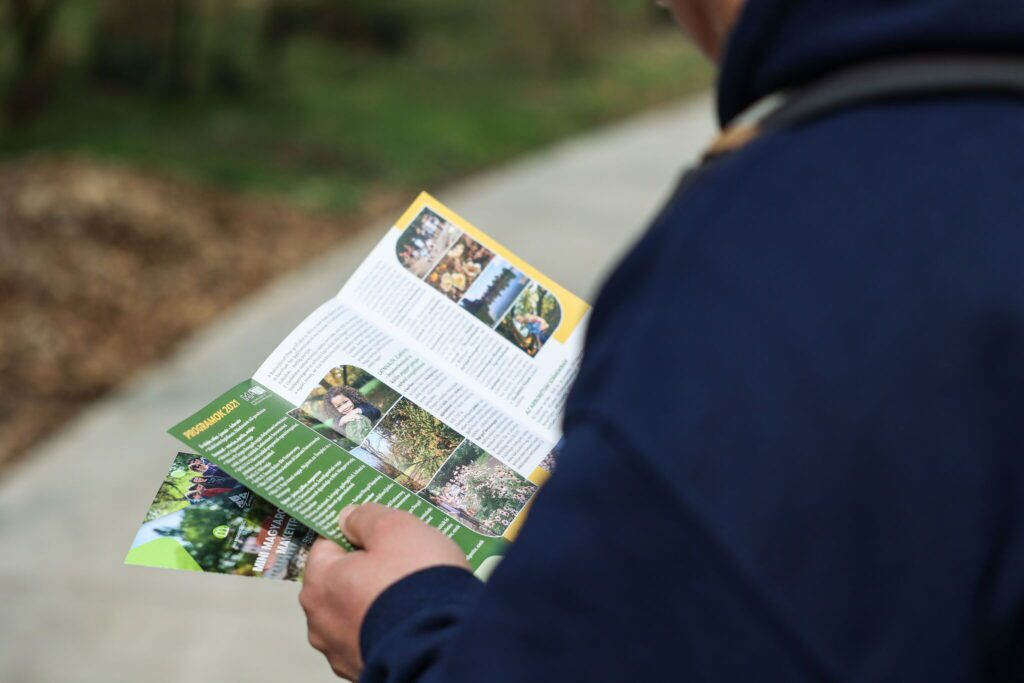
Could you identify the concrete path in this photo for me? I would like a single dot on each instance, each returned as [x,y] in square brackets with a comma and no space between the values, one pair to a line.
[72,613]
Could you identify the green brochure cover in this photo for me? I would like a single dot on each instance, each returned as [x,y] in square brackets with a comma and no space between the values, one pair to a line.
[203,520]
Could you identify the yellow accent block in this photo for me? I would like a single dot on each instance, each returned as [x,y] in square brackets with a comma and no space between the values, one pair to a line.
[513,529]
[538,477]
[574,309]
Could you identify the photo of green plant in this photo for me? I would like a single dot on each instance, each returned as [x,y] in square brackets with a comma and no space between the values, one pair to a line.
[411,442]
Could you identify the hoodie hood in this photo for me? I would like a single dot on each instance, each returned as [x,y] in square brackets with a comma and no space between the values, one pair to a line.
[779,44]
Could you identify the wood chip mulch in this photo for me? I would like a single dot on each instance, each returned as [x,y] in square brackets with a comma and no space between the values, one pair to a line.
[104,269]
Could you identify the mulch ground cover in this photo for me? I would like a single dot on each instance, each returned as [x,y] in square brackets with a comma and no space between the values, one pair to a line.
[104,269]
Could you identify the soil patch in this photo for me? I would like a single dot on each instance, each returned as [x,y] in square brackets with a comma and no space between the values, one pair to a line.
[104,269]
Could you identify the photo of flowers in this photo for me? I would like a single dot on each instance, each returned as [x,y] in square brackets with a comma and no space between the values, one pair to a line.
[478,490]
[460,268]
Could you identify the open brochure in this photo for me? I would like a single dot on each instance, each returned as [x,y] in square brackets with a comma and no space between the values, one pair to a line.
[433,382]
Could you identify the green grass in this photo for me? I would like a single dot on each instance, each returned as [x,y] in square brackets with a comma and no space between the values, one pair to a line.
[329,125]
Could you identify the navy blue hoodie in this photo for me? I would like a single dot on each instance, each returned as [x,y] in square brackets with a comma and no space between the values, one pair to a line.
[826,331]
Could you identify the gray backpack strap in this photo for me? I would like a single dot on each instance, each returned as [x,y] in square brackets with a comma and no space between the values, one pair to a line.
[900,79]
[897,78]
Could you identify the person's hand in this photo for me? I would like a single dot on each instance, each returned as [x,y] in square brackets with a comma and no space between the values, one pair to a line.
[339,586]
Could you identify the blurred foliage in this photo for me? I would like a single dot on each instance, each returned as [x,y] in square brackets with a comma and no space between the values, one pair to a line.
[325,100]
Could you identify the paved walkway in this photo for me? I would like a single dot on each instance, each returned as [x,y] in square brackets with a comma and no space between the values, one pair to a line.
[72,613]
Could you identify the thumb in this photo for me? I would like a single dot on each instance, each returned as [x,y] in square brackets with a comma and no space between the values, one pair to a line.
[366,525]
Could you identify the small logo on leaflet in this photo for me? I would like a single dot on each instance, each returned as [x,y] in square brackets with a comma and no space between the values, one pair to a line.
[253,394]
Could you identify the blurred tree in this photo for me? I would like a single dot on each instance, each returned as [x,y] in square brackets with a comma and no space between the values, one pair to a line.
[143,46]
[549,34]
[152,45]
[31,24]
[382,26]
[178,48]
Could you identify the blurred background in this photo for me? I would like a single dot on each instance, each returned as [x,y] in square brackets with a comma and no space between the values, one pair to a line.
[161,159]
[182,181]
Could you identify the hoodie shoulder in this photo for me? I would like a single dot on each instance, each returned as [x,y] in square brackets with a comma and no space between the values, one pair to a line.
[819,345]
[779,44]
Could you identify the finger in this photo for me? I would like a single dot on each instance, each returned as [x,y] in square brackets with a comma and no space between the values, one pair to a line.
[325,550]
[364,525]
[322,555]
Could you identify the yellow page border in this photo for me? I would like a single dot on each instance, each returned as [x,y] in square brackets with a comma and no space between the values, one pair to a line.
[574,309]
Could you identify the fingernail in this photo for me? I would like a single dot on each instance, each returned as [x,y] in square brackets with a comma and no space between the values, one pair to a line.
[345,512]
